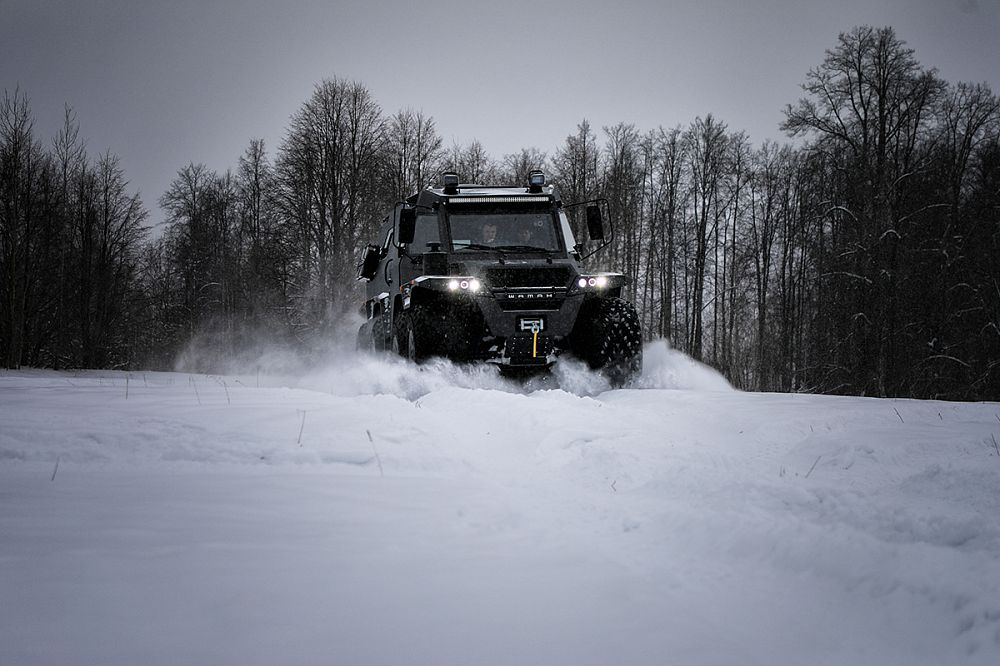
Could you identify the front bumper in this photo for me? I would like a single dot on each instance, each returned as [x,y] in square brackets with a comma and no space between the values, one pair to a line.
[516,327]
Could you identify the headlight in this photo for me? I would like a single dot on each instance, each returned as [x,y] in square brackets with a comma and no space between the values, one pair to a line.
[599,282]
[469,284]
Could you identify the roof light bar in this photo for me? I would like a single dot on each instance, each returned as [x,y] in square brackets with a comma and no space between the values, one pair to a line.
[496,199]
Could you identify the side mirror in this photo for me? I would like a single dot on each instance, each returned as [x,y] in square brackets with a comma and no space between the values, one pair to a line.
[370,263]
[407,226]
[595,223]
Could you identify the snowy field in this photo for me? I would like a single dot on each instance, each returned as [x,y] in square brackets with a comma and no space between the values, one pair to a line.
[371,512]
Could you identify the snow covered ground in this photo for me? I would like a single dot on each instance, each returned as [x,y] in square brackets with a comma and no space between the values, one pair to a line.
[371,512]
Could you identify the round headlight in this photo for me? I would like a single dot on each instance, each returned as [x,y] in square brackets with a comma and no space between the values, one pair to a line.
[453,285]
[602,281]
[582,282]
[592,281]
[474,285]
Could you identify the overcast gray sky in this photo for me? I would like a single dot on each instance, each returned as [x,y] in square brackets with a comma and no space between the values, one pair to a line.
[165,83]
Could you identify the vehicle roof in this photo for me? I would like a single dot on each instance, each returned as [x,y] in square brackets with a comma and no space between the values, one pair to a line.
[434,195]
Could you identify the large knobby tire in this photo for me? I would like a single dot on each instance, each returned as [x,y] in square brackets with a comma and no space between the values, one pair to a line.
[608,336]
[410,338]
[400,334]
[370,342]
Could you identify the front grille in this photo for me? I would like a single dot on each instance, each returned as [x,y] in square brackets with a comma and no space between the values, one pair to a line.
[528,300]
[537,276]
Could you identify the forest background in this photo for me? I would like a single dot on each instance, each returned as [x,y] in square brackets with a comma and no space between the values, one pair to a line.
[860,258]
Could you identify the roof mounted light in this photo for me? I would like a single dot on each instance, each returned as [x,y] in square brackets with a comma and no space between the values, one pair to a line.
[450,180]
[535,181]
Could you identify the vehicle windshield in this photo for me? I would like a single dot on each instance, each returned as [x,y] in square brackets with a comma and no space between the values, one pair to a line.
[503,230]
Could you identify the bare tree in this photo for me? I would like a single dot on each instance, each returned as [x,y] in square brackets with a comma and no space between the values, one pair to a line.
[517,166]
[871,97]
[622,185]
[575,168]
[412,151]
[71,163]
[108,234]
[21,163]
[706,145]
[767,188]
[190,242]
[329,174]
[671,202]
[473,164]
[261,255]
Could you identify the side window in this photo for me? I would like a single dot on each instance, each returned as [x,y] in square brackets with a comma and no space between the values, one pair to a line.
[426,232]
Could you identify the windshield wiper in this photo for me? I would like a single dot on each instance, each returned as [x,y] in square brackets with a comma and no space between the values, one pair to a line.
[523,248]
[529,248]
[503,250]
[484,248]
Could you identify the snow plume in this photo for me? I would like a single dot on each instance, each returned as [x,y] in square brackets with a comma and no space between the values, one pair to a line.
[348,373]
[335,367]
[358,373]
[667,368]
[259,351]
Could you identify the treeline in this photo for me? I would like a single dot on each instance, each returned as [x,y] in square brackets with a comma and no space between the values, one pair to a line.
[861,260]
[866,260]
[71,292]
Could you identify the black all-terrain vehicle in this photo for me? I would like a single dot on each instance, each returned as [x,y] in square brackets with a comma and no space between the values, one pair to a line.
[494,274]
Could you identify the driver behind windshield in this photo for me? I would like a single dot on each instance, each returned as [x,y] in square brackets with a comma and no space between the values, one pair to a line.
[531,230]
[489,234]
